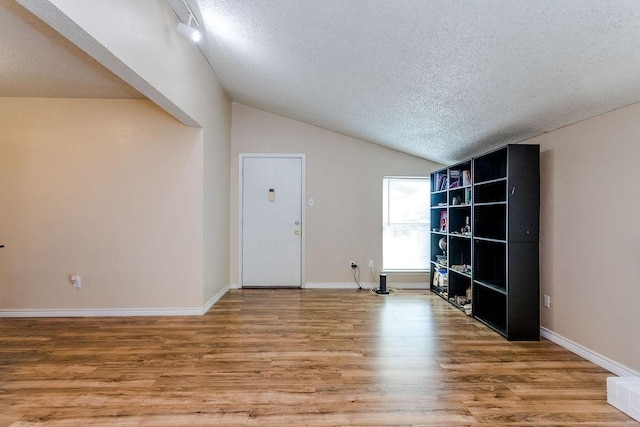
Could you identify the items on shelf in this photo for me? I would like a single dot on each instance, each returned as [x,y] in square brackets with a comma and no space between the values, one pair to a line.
[442,244]
[466,230]
[465,302]
[468,309]
[444,216]
[442,260]
[462,268]
[441,281]
[460,300]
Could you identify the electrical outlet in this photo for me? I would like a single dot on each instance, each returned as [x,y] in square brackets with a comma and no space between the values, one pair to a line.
[76,281]
[546,301]
[352,264]
[371,263]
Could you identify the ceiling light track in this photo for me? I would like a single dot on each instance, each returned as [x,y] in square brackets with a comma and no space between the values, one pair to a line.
[187,30]
[185,14]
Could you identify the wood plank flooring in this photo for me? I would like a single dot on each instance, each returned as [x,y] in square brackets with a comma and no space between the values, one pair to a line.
[294,357]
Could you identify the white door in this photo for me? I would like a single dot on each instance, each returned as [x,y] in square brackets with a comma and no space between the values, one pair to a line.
[271,221]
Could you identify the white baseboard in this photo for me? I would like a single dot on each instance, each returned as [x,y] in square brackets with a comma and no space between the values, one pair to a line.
[214,299]
[116,312]
[600,360]
[418,286]
[351,285]
[623,393]
[102,312]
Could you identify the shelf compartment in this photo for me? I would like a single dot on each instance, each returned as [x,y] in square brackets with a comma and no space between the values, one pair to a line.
[459,292]
[490,308]
[491,192]
[439,181]
[490,221]
[491,166]
[439,219]
[490,262]
[498,327]
[439,199]
[495,285]
[462,273]
[437,254]
[460,220]
[460,196]
[459,251]
[439,283]
[459,175]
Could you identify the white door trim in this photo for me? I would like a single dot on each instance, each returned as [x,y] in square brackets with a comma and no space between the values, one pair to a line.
[303,199]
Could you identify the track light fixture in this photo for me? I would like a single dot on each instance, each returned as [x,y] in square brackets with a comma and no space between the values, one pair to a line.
[187,30]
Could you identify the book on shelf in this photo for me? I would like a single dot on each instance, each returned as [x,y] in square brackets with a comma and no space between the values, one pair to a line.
[437,181]
[454,178]
[445,182]
[466,177]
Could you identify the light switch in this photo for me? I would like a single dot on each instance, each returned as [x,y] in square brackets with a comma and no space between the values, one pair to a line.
[310,202]
[272,195]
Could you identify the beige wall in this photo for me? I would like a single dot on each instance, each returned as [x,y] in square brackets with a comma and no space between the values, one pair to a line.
[217,146]
[343,176]
[108,189]
[169,69]
[590,234]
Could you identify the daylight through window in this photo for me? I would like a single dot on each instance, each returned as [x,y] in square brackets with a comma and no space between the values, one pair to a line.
[405,217]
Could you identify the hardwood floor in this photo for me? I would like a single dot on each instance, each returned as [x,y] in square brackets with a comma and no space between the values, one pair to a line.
[294,357]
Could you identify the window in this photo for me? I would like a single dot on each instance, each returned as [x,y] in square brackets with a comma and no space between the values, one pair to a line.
[406,218]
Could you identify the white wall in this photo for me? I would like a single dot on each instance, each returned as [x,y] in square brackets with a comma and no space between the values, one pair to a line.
[107,189]
[590,234]
[344,177]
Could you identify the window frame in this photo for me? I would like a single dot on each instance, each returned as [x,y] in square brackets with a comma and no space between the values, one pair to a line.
[386,215]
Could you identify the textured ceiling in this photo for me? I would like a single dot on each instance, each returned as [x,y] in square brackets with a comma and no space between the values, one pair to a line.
[440,79]
[36,61]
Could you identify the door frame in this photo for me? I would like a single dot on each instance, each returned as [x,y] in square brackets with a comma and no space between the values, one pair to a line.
[303,199]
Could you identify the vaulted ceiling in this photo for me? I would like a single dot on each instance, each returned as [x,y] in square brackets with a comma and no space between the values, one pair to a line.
[441,79]
[438,79]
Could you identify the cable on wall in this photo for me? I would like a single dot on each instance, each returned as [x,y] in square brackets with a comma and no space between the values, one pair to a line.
[356,276]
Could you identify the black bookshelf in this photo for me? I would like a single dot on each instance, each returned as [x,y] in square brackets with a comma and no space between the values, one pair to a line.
[486,211]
